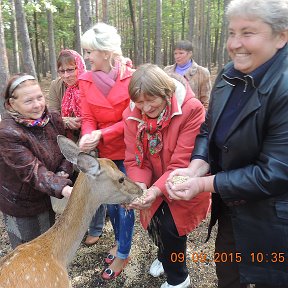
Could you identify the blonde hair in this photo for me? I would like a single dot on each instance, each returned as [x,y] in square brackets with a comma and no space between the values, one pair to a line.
[102,37]
[149,79]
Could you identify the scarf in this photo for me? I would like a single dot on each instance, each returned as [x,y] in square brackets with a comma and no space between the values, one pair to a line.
[19,118]
[70,106]
[149,135]
[182,69]
[104,81]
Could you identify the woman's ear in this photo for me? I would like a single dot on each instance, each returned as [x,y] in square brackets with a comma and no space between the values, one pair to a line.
[11,102]
[283,39]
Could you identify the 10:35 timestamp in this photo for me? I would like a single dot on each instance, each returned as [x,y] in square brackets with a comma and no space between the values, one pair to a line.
[273,257]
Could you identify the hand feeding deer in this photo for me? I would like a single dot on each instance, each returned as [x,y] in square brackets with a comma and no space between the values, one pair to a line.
[43,261]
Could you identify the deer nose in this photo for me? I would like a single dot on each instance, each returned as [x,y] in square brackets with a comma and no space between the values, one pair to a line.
[121,180]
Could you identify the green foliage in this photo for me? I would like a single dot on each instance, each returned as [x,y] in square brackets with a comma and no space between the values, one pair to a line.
[174,19]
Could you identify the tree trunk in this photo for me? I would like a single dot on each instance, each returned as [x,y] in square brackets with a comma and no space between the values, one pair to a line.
[86,21]
[158,36]
[4,71]
[191,20]
[172,44]
[207,38]
[141,35]
[97,11]
[223,37]
[15,67]
[43,60]
[105,11]
[51,41]
[148,46]
[37,53]
[183,15]
[133,20]
[202,34]
[28,62]
[78,31]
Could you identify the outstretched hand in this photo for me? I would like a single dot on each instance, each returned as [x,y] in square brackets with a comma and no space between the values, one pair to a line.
[89,142]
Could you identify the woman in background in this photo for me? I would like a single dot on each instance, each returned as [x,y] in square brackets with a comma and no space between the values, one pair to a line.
[197,76]
[64,97]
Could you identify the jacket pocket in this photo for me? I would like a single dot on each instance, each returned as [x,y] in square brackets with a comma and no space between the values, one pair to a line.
[282,209]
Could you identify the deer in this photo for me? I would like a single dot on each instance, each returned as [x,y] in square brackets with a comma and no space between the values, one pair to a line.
[43,262]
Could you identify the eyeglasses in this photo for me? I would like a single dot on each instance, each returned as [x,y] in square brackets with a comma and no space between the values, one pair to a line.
[68,71]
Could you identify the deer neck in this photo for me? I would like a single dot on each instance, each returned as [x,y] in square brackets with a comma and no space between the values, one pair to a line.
[67,233]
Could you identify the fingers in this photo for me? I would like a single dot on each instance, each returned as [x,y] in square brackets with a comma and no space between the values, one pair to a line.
[87,144]
[177,192]
[172,174]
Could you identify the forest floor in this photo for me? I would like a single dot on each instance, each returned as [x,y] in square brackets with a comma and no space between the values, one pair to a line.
[88,263]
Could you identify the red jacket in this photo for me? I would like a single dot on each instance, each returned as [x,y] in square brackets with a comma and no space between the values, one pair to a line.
[105,113]
[178,143]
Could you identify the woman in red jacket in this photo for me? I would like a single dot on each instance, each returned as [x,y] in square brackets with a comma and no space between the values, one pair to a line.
[104,97]
[163,122]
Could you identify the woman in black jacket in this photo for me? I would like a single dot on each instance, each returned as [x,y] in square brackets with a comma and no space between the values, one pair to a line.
[243,144]
[32,167]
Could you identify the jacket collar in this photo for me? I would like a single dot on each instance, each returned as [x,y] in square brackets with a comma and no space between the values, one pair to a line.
[223,91]
[232,76]
[191,71]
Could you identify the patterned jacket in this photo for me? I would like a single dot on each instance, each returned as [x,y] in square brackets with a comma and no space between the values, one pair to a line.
[199,79]
[29,159]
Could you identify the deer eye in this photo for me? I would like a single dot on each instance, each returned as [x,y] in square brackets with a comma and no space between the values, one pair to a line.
[121,180]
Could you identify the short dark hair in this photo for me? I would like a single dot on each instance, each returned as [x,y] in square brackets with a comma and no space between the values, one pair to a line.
[184,45]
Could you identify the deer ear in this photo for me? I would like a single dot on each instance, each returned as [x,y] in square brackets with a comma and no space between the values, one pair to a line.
[88,164]
[68,148]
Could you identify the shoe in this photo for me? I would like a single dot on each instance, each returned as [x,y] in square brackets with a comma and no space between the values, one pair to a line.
[156,268]
[109,258]
[109,274]
[91,240]
[184,284]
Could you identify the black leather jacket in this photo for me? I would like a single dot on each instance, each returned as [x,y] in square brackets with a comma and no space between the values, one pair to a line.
[254,180]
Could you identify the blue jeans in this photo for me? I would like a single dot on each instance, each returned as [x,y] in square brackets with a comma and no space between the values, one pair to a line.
[122,221]
[98,221]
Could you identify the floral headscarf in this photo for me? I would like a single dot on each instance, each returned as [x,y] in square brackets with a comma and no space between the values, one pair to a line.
[70,106]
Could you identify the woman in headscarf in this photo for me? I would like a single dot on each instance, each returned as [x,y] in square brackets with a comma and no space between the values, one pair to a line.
[64,97]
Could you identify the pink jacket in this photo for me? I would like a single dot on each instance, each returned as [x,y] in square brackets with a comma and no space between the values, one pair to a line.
[178,143]
[105,113]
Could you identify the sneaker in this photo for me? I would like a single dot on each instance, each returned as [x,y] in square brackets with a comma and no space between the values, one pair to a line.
[156,268]
[184,284]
